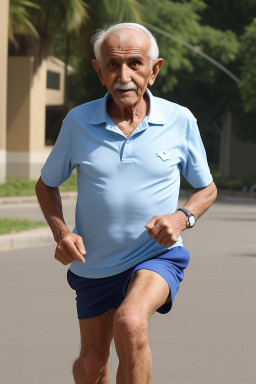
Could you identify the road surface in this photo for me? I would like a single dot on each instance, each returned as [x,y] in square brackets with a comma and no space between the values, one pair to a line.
[209,337]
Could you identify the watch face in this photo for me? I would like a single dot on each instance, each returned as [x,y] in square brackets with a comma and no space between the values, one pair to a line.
[192,221]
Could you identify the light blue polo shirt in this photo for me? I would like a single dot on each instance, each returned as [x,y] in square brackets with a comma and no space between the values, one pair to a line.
[122,183]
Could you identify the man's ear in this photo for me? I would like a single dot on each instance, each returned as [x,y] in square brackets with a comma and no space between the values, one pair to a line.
[155,70]
[97,68]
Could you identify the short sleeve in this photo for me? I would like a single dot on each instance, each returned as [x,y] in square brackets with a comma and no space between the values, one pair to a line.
[58,167]
[195,169]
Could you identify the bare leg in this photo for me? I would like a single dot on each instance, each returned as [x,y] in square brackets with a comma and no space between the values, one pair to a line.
[96,335]
[147,291]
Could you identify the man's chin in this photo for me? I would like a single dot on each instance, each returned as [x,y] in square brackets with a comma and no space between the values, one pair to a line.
[126,101]
[127,98]
[125,92]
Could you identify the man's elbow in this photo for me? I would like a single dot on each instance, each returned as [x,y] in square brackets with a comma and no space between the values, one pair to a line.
[213,191]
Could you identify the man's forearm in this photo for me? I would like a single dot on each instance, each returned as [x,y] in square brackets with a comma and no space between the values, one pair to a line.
[201,200]
[51,205]
[165,229]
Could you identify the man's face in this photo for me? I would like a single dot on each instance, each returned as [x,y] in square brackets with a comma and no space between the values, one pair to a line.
[125,63]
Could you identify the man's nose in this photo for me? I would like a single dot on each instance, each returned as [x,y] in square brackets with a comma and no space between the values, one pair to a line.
[124,74]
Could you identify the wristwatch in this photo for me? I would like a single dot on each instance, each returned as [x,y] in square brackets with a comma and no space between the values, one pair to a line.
[190,217]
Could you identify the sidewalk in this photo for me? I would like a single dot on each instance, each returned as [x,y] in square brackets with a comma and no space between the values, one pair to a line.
[43,236]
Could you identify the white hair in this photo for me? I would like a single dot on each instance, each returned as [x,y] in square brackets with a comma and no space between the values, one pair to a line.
[98,38]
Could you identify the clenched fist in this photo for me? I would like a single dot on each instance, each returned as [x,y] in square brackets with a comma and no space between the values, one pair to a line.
[165,229]
[70,248]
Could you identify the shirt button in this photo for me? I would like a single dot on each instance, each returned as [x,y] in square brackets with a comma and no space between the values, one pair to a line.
[127,141]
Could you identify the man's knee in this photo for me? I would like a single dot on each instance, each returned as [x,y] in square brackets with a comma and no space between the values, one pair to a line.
[130,328]
[94,362]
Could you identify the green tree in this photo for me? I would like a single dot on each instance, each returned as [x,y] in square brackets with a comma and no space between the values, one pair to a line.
[239,17]
[248,67]
[182,20]
[53,15]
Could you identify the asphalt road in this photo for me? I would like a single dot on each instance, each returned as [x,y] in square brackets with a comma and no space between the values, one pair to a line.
[209,337]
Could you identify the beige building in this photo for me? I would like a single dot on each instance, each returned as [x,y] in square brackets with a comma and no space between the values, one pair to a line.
[26,98]
[29,94]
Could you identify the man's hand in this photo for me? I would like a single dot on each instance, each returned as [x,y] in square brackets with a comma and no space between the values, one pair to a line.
[165,229]
[70,248]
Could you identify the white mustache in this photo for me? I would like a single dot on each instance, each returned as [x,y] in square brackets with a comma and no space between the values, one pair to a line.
[125,87]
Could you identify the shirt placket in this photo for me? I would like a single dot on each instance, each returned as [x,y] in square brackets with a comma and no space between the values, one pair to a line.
[126,154]
[126,144]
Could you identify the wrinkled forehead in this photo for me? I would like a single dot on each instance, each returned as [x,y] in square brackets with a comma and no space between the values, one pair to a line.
[126,40]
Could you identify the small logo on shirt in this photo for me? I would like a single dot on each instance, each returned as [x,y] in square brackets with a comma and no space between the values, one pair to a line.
[164,155]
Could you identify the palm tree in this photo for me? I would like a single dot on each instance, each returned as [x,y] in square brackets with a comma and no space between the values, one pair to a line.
[33,24]
[20,19]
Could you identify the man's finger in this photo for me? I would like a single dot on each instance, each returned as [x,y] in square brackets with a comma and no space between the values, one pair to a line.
[151,223]
[162,237]
[80,246]
[75,254]
[156,231]
[61,258]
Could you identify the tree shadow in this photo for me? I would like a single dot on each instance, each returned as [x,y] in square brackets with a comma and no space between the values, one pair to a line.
[253,254]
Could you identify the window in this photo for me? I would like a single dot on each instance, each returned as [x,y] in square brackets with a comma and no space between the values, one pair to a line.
[53,80]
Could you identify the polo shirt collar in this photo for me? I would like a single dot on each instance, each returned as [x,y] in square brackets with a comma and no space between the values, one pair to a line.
[155,115]
[100,114]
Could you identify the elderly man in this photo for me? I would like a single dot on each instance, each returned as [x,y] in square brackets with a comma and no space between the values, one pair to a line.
[126,254]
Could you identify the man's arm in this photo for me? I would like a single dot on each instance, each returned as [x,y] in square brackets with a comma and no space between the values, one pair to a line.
[165,229]
[70,246]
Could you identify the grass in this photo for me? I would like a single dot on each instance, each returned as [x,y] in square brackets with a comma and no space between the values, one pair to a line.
[25,187]
[245,184]
[18,225]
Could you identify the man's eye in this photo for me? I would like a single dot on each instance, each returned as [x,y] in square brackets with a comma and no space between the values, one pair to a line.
[136,63]
[111,64]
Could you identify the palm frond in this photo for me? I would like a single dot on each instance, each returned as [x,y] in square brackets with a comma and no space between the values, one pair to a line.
[20,19]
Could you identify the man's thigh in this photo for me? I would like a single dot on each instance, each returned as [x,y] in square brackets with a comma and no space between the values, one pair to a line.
[148,291]
[97,333]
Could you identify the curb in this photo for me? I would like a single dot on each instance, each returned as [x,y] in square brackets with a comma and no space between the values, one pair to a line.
[32,199]
[26,239]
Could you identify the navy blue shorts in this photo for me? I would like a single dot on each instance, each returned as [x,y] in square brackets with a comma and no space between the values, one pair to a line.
[96,296]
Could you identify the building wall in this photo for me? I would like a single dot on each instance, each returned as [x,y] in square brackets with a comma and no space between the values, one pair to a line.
[26,150]
[38,110]
[20,71]
[4,12]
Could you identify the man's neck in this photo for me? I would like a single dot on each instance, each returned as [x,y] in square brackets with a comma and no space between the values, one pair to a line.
[131,114]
